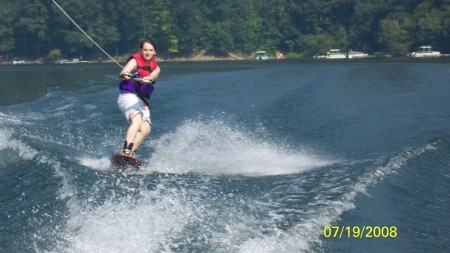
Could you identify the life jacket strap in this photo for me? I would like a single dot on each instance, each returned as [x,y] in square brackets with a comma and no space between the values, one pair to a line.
[141,95]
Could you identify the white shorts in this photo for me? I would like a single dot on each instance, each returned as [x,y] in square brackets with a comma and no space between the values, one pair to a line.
[129,102]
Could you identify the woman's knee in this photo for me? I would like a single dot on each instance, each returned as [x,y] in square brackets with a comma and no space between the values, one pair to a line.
[145,128]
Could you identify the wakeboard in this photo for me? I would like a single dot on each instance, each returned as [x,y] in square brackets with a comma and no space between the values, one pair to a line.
[121,160]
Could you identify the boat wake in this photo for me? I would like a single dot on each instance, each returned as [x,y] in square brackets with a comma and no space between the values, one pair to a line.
[216,148]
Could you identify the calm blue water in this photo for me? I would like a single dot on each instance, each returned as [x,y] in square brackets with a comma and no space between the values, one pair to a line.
[243,157]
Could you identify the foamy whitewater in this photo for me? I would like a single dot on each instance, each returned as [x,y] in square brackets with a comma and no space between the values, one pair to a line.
[235,163]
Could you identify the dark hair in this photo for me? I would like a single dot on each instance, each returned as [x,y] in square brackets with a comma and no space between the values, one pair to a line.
[151,42]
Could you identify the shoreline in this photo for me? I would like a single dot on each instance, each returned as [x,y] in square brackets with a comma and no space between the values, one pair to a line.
[194,58]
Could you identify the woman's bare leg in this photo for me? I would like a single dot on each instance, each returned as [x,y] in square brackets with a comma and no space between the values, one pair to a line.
[143,132]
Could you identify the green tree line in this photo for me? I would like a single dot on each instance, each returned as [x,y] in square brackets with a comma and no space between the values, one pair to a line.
[35,29]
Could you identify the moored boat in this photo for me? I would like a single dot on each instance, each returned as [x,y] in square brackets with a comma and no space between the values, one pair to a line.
[425,51]
[261,55]
[335,54]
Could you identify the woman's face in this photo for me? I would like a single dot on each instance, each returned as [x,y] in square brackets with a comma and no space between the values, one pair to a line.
[147,51]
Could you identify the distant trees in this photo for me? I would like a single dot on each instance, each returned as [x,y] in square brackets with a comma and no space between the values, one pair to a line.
[395,39]
[7,42]
[34,28]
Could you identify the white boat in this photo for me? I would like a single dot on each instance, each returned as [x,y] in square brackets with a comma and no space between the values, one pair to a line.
[355,54]
[73,61]
[261,55]
[425,51]
[335,54]
[18,62]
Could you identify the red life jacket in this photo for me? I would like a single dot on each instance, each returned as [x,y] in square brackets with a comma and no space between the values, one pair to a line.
[143,67]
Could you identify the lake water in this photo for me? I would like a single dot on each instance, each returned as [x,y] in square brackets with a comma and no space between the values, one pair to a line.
[243,157]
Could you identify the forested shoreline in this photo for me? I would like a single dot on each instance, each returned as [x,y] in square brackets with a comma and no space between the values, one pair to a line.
[37,29]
